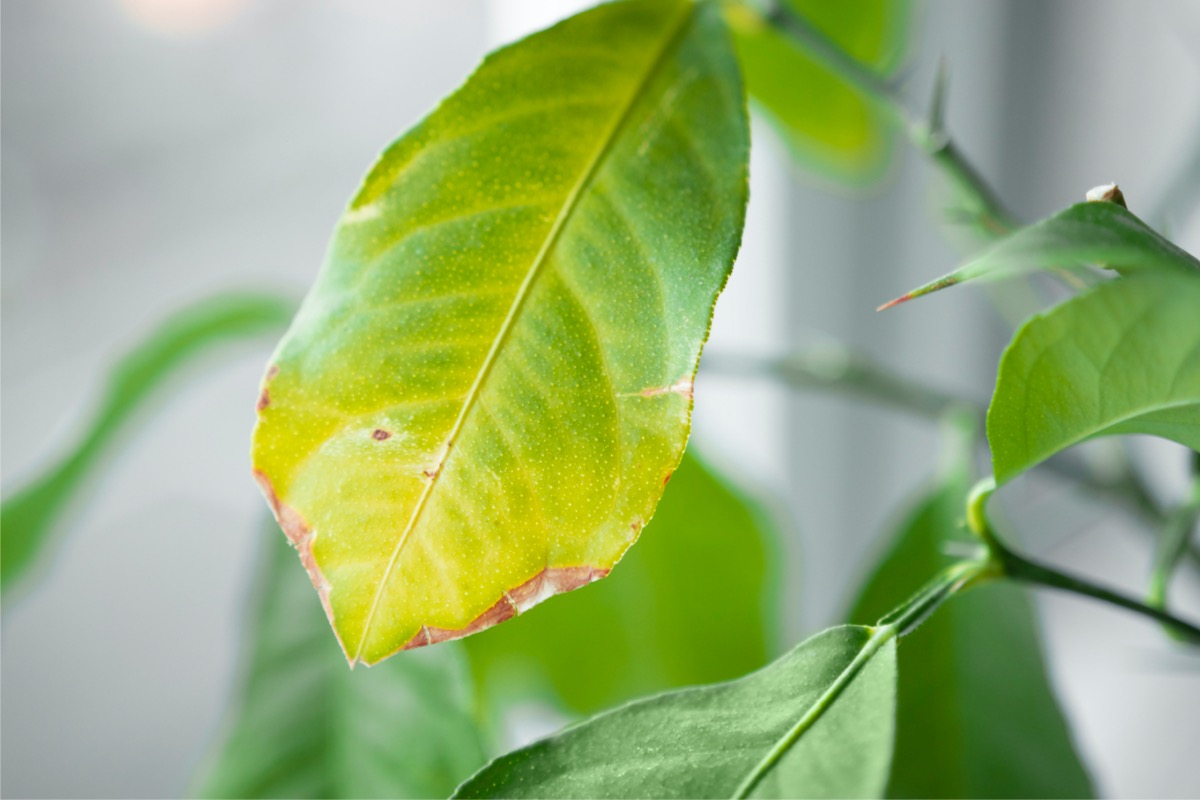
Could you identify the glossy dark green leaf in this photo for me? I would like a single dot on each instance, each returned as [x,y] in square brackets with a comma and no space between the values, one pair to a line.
[818,722]
[651,625]
[478,403]
[1100,233]
[28,516]
[976,715]
[305,726]
[828,126]
[1121,358]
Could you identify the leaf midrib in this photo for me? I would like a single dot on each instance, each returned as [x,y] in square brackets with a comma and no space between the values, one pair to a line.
[531,276]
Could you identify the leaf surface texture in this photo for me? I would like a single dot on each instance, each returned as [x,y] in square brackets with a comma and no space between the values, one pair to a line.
[779,732]
[480,401]
[1121,358]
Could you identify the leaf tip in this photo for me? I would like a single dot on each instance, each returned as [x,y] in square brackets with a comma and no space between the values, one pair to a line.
[895,302]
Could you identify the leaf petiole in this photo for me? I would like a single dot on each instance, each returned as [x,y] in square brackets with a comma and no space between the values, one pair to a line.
[1019,568]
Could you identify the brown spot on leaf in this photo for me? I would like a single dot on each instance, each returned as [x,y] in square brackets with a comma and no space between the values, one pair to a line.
[380,434]
[264,396]
[547,583]
[682,387]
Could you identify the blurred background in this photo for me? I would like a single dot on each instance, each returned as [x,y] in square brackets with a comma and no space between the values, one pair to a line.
[156,151]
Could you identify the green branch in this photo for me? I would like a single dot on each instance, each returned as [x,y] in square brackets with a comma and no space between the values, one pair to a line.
[1172,545]
[1023,569]
[979,204]
[1019,568]
[835,367]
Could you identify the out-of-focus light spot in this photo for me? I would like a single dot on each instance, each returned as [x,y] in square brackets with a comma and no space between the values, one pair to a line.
[182,17]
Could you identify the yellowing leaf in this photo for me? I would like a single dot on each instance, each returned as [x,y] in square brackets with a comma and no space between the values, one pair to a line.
[481,399]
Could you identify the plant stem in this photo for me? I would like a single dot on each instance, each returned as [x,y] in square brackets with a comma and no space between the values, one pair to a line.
[980,204]
[1172,544]
[950,581]
[835,367]
[1023,569]
[1017,567]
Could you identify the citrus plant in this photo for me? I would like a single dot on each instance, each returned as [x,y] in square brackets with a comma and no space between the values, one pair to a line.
[488,390]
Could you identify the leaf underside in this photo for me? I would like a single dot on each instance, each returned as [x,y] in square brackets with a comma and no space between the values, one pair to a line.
[1099,233]
[707,741]
[976,714]
[305,726]
[480,401]
[1121,358]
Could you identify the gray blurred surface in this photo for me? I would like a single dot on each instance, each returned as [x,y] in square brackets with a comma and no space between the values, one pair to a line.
[145,164]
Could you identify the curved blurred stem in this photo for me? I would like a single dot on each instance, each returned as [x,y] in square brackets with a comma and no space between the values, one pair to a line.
[980,205]
[1020,568]
[1173,542]
[835,367]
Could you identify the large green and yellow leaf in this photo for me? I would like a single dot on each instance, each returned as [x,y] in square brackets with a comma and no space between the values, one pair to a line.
[650,626]
[305,726]
[1121,358]
[485,392]
[976,713]
[818,722]
[1100,233]
[828,126]
[28,516]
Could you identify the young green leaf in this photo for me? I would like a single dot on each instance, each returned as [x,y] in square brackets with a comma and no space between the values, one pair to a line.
[305,726]
[481,399]
[1100,233]
[976,714]
[1121,358]
[818,722]
[828,126]
[638,631]
[28,517]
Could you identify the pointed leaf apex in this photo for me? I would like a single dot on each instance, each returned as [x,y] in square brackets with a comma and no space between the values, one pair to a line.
[895,302]
[929,288]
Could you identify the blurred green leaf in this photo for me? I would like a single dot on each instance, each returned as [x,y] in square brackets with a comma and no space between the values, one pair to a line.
[1100,233]
[306,725]
[27,517]
[653,624]
[1121,358]
[478,403]
[977,716]
[829,127]
[818,722]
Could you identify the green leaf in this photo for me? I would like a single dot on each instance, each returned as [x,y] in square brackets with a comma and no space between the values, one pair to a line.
[639,631]
[1100,233]
[816,723]
[977,716]
[828,126]
[1121,358]
[28,516]
[305,726]
[480,400]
